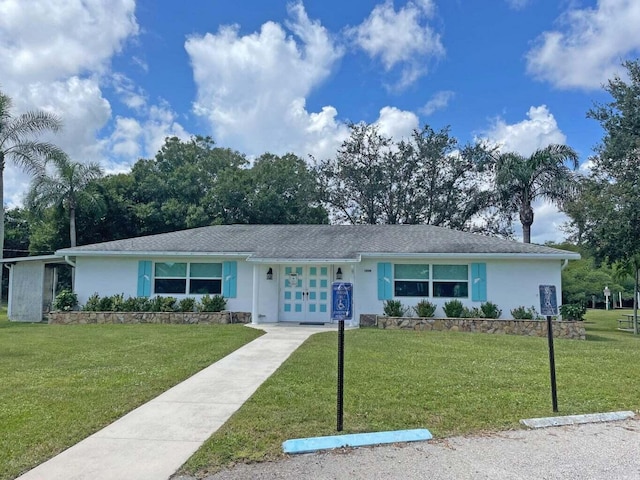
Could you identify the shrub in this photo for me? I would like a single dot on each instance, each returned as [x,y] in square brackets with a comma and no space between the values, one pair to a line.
[217,303]
[92,303]
[490,310]
[573,311]
[394,308]
[522,313]
[117,302]
[66,300]
[453,308]
[105,304]
[163,304]
[187,304]
[474,312]
[425,309]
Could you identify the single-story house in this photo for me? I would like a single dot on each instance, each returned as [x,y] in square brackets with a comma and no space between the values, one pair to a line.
[284,273]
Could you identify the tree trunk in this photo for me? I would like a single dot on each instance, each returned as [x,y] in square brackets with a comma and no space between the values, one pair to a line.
[72,225]
[526,218]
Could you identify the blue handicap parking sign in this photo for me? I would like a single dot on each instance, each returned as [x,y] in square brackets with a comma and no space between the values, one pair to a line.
[341,301]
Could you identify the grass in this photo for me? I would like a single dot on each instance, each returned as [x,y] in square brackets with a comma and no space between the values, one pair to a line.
[451,383]
[62,383]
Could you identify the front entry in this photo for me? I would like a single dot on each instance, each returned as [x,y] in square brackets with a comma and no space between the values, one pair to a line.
[305,293]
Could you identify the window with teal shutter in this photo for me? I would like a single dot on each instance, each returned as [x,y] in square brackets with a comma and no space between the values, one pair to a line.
[479,282]
[144,278]
[229,279]
[385,281]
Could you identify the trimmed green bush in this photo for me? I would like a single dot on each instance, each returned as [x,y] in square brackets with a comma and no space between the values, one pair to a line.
[474,312]
[66,300]
[490,310]
[217,303]
[425,309]
[522,313]
[394,308]
[453,308]
[573,311]
[187,305]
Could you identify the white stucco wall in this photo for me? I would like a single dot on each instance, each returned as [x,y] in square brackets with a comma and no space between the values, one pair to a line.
[510,284]
[115,275]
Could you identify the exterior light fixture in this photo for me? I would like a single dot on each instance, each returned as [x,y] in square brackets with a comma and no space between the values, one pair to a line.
[339,274]
[270,274]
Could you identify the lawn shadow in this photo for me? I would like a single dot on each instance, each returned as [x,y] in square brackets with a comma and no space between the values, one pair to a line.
[599,338]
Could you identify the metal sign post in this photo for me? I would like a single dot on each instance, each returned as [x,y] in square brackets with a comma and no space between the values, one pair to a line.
[549,307]
[341,310]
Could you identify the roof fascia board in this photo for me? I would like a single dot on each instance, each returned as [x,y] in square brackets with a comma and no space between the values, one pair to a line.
[530,256]
[35,258]
[303,260]
[120,253]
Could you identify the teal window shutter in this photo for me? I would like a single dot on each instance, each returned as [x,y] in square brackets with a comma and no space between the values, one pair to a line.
[144,278]
[229,279]
[479,282]
[385,282]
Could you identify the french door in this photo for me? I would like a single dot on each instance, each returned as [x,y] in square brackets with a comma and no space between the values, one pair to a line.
[305,293]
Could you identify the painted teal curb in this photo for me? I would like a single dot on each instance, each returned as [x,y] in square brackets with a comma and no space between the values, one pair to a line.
[312,444]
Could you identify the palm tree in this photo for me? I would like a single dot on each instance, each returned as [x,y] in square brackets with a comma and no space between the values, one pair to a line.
[65,186]
[19,144]
[521,180]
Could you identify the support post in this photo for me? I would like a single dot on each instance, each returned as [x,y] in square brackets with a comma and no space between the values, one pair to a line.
[552,365]
[340,408]
[255,308]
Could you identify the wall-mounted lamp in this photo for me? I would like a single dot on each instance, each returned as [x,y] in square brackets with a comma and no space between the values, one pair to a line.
[339,274]
[270,274]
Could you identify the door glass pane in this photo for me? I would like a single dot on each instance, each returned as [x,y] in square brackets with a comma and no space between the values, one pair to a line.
[414,272]
[312,271]
[324,271]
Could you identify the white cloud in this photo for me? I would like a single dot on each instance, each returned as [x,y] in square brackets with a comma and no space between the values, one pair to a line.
[252,88]
[439,101]
[45,40]
[133,138]
[400,38]
[539,130]
[518,4]
[396,123]
[547,223]
[54,54]
[588,46]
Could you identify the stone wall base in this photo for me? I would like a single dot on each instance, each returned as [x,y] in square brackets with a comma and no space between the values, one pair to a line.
[206,318]
[532,328]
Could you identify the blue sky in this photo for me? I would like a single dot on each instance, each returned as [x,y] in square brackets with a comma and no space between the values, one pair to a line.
[285,76]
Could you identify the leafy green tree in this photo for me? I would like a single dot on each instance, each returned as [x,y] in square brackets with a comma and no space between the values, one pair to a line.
[543,175]
[427,178]
[612,210]
[19,144]
[67,186]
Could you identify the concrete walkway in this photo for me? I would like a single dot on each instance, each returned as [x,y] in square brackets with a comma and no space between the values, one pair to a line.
[154,440]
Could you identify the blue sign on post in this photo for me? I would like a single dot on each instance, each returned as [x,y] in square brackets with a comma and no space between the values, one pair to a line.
[341,301]
[548,300]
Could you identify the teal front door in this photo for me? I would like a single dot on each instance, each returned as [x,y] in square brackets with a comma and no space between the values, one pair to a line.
[304,293]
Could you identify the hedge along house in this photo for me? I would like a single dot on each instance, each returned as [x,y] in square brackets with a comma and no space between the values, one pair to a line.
[283,273]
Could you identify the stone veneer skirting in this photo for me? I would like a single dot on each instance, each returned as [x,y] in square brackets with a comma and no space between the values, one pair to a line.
[207,318]
[533,328]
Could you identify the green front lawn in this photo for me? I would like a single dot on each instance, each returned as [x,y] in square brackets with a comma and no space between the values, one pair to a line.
[450,383]
[59,384]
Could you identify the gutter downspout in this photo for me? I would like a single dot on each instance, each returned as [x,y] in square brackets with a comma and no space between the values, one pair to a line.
[565,262]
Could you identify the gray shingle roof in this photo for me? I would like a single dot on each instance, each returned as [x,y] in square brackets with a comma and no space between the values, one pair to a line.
[315,242]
